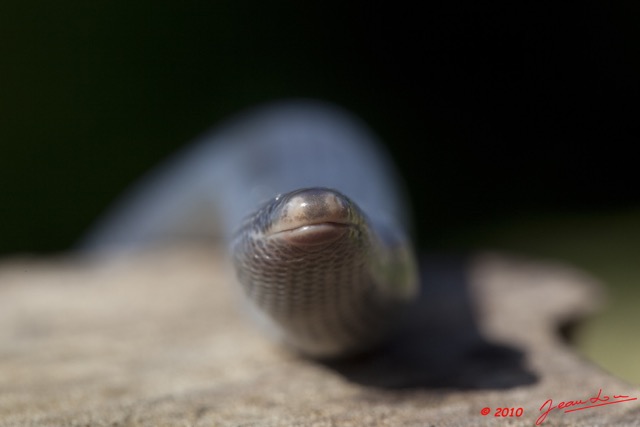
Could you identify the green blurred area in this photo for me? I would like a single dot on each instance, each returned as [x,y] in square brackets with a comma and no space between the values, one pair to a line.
[500,119]
[604,244]
[95,93]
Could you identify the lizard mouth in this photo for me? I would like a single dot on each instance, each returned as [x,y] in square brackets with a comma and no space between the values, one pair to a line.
[314,234]
[312,216]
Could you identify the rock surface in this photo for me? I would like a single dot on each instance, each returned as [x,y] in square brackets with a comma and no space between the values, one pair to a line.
[158,339]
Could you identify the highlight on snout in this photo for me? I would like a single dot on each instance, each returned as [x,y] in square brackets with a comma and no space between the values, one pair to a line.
[312,217]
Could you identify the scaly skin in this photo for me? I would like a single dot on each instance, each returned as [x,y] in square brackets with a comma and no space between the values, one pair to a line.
[326,281]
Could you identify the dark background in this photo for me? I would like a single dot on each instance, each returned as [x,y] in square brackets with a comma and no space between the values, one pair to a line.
[519,108]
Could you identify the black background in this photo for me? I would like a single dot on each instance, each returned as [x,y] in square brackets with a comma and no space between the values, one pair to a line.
[519,108]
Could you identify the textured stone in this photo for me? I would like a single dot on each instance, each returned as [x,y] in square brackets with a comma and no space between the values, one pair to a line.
[159,339]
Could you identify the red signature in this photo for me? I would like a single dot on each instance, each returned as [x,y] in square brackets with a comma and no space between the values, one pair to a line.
[578,405]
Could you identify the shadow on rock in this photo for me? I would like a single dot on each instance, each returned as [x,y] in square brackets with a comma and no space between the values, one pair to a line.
[441,346]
